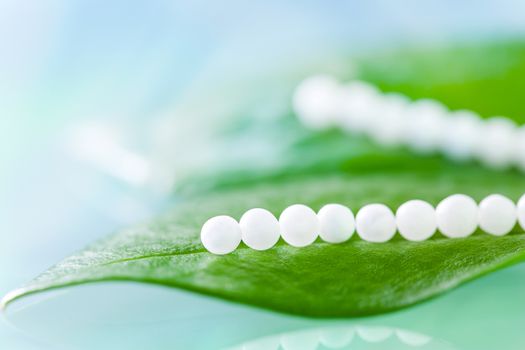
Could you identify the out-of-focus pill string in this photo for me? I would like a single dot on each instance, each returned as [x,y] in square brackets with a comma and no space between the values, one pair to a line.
[425,125]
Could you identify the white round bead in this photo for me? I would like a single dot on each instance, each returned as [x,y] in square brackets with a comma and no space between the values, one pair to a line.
[299,225]
[336,337]
[389,127]
[337,223]
[374,334]
[497,142]
[521,211]
[221,235]
[462,135]
[412,338]
[260,229]
[426,123]
[358,106]
[314,101]
[416,220]
[375,223]
[497,215]
[519,151]
[457,216]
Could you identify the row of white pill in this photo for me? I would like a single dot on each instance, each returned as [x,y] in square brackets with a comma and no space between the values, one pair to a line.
[455,216]
[340,337]
[424,125]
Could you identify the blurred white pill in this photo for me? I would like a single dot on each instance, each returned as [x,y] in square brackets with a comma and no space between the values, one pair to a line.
[337,223]
[462,135]
[497,142]
[521,211]
[300,340]
[519,150]
[426,124]
[374,334]
[315,101]
[416,220]
[299,225]
[260,229]
[497,215]
[358,105]
[390,125]
[336,337]
[457,216]
[375,223]
[221,235]
[412,338]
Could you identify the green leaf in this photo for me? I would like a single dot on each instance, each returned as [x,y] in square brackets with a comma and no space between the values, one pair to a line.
[322,280]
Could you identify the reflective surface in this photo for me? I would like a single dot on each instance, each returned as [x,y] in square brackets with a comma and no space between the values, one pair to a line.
[345,337]
[485,314]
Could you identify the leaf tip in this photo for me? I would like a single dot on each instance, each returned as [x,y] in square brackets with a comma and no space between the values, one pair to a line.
[8,298]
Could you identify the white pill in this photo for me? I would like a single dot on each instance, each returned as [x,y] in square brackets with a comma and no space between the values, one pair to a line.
[416,220]
[426,124]
[462,135]
[521,211]
[221,235]
[519,151]
[300,340]
[337,223]
[314,101]
[374,334]
[260,229]
[336,337]
[299,225]
[375,223]
[412,338]
[497,215]
[389,127]
[497,142]
[358,106]
[457,216]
